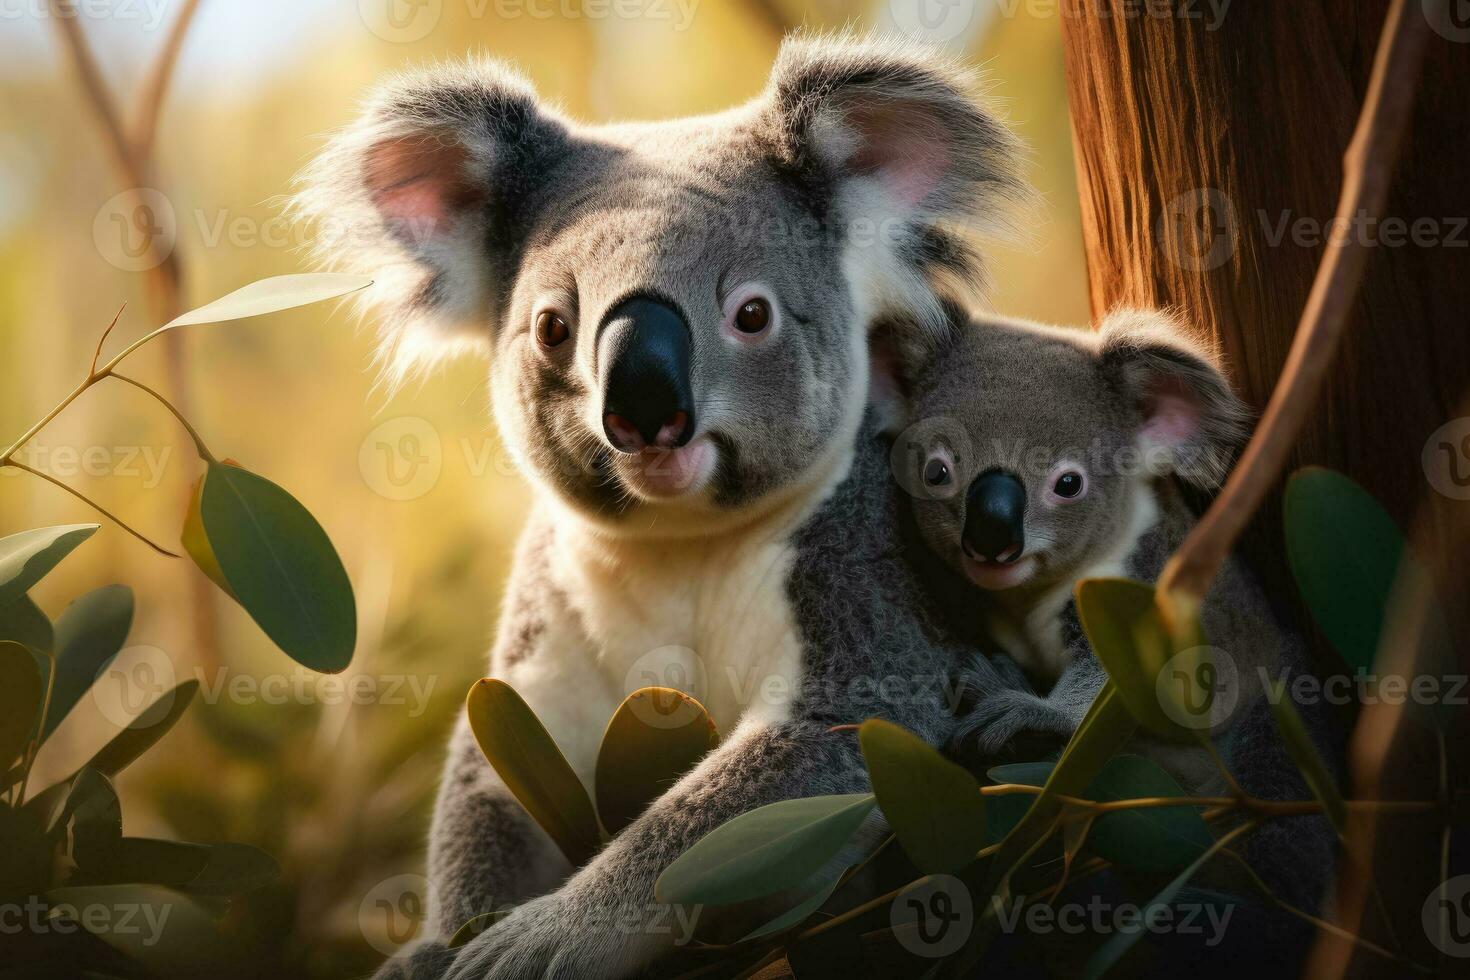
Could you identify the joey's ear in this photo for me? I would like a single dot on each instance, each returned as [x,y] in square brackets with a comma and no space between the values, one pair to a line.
[892,135]
[424,193]
[1190,415]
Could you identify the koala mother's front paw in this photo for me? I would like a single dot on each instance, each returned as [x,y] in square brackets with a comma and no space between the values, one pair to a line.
[426,960]
[557,937]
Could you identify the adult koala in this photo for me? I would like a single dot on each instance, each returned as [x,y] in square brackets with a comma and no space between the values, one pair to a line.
[678,316]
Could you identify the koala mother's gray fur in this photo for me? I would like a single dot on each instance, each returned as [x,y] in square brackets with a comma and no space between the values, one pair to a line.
[754,544]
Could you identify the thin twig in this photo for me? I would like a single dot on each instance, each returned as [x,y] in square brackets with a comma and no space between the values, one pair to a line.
[1367,171]
[97,354]
[95,506]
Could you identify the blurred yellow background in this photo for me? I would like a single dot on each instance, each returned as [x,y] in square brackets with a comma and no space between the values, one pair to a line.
[338,791]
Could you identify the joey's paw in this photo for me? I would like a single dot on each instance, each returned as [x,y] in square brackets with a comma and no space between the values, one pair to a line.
[998,719]
[425,960]
[982,677]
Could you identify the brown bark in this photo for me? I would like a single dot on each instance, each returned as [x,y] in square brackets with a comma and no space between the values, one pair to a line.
[1201,154]
[1208,160]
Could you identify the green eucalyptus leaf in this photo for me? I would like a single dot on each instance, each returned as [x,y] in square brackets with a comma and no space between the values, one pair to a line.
[764,851]
[933,805]
[1002,813]
[656,736]
[1345,552]
[96,820]
[22,690]
[528,761]
[1102,731]
[145,860]
[1110,952]
[144,731]
[167,932]
[25,623]
[271,296]
[1123,626]
[27,557]
[233,869]
[1303,752]
[89,633]
[799,913]
[1146,839]
[280,566]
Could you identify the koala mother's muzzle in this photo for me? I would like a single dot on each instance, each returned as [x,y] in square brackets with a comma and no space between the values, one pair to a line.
[645,356]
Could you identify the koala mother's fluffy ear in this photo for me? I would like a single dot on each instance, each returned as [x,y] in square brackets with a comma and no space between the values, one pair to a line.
[421,193]
[892,134]
[1190,414]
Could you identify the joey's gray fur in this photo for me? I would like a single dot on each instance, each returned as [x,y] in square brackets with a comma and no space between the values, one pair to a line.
[750,557]
[1135,410]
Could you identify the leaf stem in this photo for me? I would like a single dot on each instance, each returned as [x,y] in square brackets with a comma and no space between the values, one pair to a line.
[199,445]
[95,506]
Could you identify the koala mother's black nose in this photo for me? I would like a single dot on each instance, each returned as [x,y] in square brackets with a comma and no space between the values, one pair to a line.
[645,355]
[995,517]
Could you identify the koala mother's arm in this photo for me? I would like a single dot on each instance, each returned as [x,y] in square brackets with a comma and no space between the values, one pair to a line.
[605,922]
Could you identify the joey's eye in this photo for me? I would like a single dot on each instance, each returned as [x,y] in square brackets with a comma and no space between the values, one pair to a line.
[1069,485]
[936,472]
[753,316]
[551,328]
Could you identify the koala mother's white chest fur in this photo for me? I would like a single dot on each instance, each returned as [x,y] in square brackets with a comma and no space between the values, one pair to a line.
[709,615]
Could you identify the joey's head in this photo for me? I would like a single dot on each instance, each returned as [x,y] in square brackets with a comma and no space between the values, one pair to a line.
[677,313]
[1034,451]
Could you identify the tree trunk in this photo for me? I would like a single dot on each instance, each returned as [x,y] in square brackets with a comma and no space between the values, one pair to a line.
[1209,155]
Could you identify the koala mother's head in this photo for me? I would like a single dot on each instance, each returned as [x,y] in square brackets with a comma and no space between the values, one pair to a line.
[677,312]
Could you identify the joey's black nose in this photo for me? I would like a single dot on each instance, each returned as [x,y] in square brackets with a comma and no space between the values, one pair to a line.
[995,517]
[645,356]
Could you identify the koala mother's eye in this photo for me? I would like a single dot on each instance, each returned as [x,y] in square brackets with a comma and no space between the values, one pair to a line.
[750,313]
[551,328]
[1069,485]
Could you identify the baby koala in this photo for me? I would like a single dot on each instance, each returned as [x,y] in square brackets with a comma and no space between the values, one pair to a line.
[1039,456]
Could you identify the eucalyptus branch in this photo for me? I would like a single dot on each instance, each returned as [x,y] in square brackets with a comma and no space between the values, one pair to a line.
[1320,923]
[1367,170]
[1218,804]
